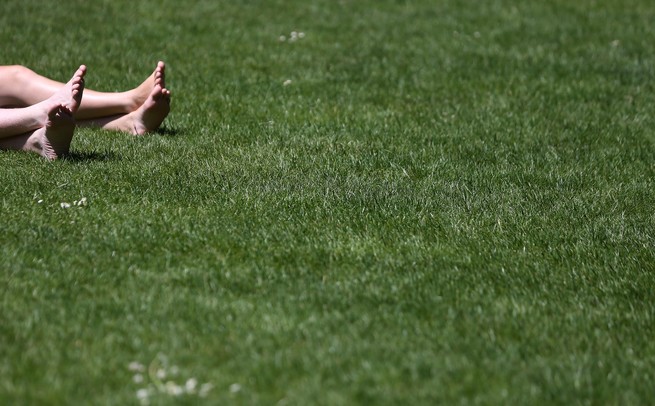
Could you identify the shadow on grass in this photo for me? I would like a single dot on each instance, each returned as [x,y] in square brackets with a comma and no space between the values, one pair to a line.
[167,131]
[78,157]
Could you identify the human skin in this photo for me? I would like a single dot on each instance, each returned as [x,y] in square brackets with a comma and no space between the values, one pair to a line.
[40,114]
[136,111]
[45,127]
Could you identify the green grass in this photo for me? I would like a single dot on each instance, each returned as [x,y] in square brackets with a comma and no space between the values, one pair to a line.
[450,203]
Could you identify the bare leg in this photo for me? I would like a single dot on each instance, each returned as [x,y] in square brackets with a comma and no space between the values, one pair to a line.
[46,127]
[21,120]
[101,104]
[148,117]
[50,141]
[20,87]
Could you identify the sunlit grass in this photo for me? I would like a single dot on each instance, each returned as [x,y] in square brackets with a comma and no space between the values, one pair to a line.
[414,203]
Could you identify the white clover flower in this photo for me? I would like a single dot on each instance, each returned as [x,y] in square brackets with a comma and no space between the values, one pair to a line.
[173,389]
[81,202]
[191,384]
[65,205]
[282,38]
[301,35]
[235,387]
[286,82]
[142,394]
[204,389]
[158,373]
[136,367]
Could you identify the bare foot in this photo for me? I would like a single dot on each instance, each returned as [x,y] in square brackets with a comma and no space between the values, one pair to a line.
[54,139]
[154,105]
[152,112]
[140,94]
[70,95]
[51,133]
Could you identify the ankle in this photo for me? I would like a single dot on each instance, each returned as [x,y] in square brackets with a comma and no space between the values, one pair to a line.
[130,101]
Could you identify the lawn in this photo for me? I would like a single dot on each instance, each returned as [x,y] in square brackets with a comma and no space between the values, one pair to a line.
[351,202]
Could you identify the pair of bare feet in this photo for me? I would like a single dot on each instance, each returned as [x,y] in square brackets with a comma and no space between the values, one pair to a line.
[148,106]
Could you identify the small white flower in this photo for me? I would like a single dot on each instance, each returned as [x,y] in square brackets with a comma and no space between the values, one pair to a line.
[65,205]
[286,82]
[142,393]
[235,387]
[138,378]
[615,43]
[282,38]
[204,389]
[161,373]
[40,201]
[191,384]
[173,389]
[301,35]
[136,367]
[81,202]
